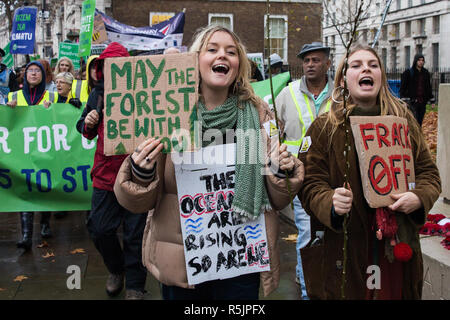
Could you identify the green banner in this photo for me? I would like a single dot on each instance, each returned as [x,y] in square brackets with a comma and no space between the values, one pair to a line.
[45,163]
[262,88]
[8,59]
[87,25]
[70,50]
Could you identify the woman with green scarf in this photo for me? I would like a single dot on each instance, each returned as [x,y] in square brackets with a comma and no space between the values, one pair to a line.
[146,180]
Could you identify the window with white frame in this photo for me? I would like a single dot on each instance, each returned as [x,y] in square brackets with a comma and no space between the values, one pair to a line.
[278,36]
[221,19]
[158,17]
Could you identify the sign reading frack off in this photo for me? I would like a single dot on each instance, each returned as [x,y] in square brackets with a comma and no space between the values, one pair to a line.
[149,96]
[385,157]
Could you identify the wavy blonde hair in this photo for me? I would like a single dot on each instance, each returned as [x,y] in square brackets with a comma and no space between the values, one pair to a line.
[389,104]
[71,66]
[241,86]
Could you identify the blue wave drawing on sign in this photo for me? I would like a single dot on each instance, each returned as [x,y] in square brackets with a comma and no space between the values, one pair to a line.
[192,225]
[196,231]
[253,228]
[255,233]
[192,220]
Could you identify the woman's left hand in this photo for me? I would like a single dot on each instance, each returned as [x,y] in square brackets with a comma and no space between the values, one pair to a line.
[286,159]
[406,202]
[47,104]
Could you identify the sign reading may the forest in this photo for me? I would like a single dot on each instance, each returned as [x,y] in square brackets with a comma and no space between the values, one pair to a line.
[385,157]
[149,96]
[217,243]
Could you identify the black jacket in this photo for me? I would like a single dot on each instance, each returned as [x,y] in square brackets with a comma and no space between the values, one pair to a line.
[408,84]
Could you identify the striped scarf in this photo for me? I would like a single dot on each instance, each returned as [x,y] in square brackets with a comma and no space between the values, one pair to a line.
[250,196]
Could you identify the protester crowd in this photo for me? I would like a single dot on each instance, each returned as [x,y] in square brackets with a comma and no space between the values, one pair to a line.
[127,187]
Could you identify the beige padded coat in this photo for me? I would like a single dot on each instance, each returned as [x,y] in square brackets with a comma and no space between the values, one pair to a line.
[162,246]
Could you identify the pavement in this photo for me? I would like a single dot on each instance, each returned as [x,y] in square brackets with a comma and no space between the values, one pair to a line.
[44,272]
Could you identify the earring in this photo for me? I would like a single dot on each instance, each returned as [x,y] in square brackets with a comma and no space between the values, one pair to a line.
[341,93]
[236,87]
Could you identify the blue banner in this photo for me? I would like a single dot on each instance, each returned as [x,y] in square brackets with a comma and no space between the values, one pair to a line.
[23,31]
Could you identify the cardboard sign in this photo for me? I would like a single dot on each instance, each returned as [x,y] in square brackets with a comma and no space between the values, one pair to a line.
[217,244]
[99,34]
[385,158]
[149,96]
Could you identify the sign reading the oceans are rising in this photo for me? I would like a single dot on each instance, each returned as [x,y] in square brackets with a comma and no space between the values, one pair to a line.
[149,96]
[217,243]
[386,162]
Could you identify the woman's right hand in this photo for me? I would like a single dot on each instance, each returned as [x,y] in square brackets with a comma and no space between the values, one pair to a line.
[92,119]
[146,153]
[12,104]
[342,200]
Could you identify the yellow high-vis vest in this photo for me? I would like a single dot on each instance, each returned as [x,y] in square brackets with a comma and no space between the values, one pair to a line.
[21,101]
[80,90]
[305,112]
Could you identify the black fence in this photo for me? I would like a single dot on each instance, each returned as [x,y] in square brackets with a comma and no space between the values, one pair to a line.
[441,75]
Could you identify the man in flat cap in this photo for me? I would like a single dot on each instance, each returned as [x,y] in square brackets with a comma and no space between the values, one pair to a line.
[276,64]
[298,105]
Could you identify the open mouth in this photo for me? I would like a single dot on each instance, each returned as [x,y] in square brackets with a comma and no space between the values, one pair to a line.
[220,68]
[366,81]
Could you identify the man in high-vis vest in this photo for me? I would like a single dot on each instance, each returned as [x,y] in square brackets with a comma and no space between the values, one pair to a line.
[298,104]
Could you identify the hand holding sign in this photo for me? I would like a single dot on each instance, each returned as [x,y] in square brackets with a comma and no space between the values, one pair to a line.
[406,202]
[12,104]
[92,119]
[146,153]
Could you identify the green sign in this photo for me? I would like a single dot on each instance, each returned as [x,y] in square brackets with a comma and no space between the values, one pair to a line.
[262,88]
[70,50]
[8,59]
[45,162]
[87,25]
[36,57]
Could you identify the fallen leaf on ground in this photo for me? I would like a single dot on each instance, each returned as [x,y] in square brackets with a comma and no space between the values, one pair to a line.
[20,278]
[291,237]
[48,255]
[43,245]
[79,250]
[2,289]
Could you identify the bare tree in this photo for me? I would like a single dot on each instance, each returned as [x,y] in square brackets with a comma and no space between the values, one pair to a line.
[7,7]
[343,17]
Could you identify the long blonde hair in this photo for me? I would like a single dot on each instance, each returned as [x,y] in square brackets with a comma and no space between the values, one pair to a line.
[389,104]
[241,86]
[71,66]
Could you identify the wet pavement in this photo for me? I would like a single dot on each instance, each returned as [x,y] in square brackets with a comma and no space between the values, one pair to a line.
[42,273]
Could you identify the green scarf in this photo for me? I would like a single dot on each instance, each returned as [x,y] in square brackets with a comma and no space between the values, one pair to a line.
[250,195]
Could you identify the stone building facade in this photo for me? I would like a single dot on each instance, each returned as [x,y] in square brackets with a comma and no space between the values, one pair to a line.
[411,26]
